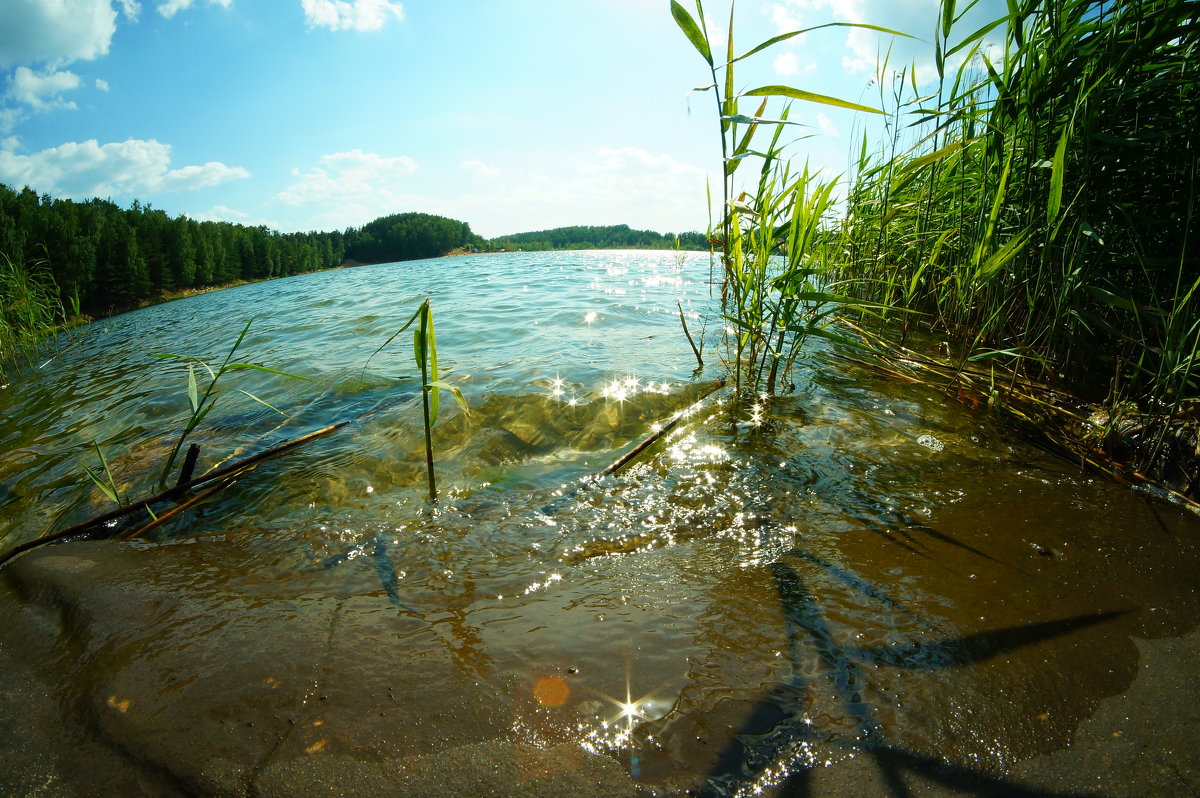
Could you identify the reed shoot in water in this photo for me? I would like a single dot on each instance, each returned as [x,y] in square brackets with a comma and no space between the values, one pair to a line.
[777,287]
[202,404]
[425,354]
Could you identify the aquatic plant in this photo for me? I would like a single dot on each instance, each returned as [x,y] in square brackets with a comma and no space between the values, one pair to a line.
[107,484]
[1037,203]
[425,354]
[777,287]
[202,404]
[29,309]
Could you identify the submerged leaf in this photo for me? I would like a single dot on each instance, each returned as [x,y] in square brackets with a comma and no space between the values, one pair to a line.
[267,405]
[256,367]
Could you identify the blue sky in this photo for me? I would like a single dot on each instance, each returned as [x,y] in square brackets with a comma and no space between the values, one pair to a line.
[512,115]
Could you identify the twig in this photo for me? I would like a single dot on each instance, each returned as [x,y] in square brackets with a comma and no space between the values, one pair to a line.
[179,508]
[649,440]
[169,495]
[683,321]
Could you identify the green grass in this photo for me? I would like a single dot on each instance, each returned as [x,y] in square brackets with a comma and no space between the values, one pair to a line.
[29,311]
[1038,204]
[777,286]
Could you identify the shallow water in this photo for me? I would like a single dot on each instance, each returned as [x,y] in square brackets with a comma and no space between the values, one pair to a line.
[864,565]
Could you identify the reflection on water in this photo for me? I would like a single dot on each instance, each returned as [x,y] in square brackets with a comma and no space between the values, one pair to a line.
[862,570]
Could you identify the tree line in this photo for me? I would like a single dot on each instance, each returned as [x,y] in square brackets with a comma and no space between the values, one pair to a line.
[105,259]
[618,236]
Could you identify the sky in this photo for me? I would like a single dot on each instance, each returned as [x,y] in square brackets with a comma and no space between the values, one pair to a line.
[511,115]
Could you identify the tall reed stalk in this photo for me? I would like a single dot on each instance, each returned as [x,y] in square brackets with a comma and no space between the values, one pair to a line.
[1039,205]
[425,354]
[29,310]
[777,288]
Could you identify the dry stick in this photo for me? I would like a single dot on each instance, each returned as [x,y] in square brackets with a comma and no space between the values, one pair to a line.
[179,508]
[650,439]
[683,321]
[167,495]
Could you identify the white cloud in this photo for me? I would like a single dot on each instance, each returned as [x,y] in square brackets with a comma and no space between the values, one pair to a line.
[56,32]
[40,91]
[89,169]
[350,177]
[102,84]
[621,185]
[826,126]
[634,161]
[784,16]
[169,8]
[359,15]
[480,169]
[222,213]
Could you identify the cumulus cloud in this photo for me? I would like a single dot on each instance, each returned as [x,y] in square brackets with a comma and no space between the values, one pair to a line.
[785,16]
[56,33]
[169,8]
[865,48]
[222,213]
[102,84]
[354,176]
[826,126]
[90,169]
[40,90]
[480,169]
[358,15]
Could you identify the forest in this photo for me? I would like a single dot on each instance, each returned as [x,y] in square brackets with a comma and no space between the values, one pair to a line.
[95,258]
[618,236]
[104,259]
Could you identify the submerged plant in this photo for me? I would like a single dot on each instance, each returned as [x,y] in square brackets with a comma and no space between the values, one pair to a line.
[202,404]
[425,354]
[107,484]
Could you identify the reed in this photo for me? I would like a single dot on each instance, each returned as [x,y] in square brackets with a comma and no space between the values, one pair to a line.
[777,279]
[1037,203]
[29,310]
[201,404]
[425,355]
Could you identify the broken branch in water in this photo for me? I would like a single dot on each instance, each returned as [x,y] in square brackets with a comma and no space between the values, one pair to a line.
[650,439]
[695,350]
[173,494]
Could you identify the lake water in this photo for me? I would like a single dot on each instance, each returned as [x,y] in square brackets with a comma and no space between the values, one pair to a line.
[861,566]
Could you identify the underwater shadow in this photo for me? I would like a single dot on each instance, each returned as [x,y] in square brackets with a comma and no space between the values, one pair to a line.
[780,734]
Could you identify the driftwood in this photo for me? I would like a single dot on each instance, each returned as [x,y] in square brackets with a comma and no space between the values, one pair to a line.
[653,437]
[228,472]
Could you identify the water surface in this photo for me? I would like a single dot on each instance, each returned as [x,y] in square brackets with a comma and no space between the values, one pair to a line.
[864,565]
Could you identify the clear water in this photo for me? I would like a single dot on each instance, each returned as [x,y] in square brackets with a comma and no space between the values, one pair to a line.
[864,564]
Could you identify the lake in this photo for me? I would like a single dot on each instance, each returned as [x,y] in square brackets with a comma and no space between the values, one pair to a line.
[861,585]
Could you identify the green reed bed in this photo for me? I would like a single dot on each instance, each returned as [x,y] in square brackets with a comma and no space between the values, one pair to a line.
[29,311]
[777,286]
[1038,202]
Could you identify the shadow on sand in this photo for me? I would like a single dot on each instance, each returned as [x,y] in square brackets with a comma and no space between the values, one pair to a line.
[772,766]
